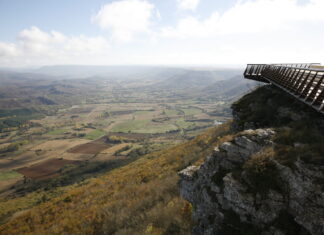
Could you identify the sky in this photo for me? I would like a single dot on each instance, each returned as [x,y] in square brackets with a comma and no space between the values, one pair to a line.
[160,32]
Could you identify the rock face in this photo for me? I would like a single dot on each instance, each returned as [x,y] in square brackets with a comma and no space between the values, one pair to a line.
[226,199]
[268,106]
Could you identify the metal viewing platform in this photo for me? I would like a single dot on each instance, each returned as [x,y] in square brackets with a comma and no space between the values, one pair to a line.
[304,81]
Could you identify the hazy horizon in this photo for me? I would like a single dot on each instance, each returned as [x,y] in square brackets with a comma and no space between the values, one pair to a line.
[189,66]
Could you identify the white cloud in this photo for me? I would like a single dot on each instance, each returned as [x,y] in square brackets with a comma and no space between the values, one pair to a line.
[8,49]
[188,4]
[125,18]
[35,46]
[250,17]
[251,31]
[86,45]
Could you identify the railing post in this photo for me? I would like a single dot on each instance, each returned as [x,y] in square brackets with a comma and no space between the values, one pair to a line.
[293,78]
[302,83]
[319,101]
[251,69]
[304,92]
[315,90]
[297,80]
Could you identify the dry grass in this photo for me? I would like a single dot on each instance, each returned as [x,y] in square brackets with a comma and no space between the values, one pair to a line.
[141,197]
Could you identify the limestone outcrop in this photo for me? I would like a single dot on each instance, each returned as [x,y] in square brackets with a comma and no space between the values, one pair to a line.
[228,198]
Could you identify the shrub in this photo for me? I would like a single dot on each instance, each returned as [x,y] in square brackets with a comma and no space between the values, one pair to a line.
[262,172]
[115,139]
[13,146]
[119,151]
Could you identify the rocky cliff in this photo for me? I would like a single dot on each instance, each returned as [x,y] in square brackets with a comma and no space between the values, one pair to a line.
[262,181]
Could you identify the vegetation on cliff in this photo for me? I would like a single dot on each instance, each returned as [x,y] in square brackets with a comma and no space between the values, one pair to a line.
[300,130]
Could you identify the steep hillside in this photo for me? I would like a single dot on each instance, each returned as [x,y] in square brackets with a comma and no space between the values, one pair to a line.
[262,181]
[139,198]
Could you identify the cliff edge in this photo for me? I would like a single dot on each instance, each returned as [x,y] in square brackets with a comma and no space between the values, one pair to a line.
[268,177]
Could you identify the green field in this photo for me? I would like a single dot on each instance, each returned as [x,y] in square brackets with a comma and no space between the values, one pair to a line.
[7,175]
[143,126]
[142,112]
[153,128]
[130,125]
[171,112]
[183,124]
[191,111]
[57,132]
[95,134]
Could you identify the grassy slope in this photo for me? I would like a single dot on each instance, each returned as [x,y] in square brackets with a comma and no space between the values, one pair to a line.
[135,199]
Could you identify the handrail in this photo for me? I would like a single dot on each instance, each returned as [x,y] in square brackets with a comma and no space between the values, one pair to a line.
[293,67]
[300,80]
[310,69]
[303,65]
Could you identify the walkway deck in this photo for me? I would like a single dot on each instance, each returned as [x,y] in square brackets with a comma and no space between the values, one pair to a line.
[304,81]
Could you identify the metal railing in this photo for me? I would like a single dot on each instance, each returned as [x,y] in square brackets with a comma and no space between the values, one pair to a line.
[300,80]
[305,65]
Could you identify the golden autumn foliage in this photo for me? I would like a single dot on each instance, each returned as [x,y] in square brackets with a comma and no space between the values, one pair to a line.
[139,198]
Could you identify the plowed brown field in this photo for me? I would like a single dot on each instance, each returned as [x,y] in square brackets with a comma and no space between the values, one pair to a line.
[46,169]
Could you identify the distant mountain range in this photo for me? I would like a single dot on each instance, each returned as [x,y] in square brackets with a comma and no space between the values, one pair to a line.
[233,87]
[53,82]
[129,72]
